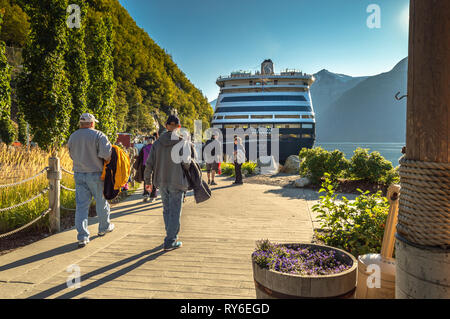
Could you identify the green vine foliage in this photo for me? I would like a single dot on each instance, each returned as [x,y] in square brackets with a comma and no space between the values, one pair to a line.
[43,88]
[76,66]
[355,226]
[6,129]
[101,94]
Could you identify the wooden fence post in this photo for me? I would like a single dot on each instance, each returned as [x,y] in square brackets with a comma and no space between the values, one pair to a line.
[54,178]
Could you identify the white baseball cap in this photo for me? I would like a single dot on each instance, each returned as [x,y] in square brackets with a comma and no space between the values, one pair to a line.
[87,118]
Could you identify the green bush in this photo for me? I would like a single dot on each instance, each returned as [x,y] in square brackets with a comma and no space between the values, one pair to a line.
[249,168]
[317,161]
[372,167]
[227,169]
[391,177]
[355,226]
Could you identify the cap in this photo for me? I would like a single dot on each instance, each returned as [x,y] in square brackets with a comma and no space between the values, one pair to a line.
[173,119]
[87,118]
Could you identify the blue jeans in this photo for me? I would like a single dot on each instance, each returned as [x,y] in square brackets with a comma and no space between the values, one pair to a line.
[172,200]
[88,185]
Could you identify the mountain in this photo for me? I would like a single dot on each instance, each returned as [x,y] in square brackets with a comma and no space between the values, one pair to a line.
[360,109]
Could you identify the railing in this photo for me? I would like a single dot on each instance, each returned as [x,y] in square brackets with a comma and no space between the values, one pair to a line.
[54,174]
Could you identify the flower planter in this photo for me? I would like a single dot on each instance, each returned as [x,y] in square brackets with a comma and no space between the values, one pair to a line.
[270,284]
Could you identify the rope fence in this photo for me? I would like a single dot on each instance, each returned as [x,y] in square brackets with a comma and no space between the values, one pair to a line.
[43,214]
[25,180]
[54,177]
[66,171]
[45,190]
[67,188]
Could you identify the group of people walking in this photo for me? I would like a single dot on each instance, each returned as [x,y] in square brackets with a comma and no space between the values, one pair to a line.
[90,149]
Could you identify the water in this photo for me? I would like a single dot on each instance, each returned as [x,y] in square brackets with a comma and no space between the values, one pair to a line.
[390,151]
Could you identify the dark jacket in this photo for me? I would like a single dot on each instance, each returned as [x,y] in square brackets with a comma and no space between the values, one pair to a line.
[193,174]
[139,165]
[160,169]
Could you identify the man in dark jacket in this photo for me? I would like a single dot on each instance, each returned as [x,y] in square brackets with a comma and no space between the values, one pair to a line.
[162,170]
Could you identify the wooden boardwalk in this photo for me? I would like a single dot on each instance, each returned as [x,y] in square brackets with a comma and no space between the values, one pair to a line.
[218,238]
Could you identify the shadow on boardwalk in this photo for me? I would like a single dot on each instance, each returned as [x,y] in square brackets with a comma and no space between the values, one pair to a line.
[149,255]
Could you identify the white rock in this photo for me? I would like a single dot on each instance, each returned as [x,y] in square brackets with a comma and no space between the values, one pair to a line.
[292,165]
[302,182]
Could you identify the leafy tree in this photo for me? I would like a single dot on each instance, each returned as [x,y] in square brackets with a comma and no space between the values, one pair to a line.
[101,96]
[139,65]
[6,129]
[22,128]
[16,26]
[76,66]
[43,88]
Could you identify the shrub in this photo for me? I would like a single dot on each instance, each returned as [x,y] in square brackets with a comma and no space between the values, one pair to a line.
[249,168]
[391,177]
[317,161]
[355,226]
[372,167]
[227,169]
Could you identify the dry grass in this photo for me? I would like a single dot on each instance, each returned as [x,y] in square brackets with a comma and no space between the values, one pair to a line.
[16,164]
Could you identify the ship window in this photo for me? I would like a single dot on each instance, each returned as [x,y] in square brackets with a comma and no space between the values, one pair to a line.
[288,136]
[306,136]
[307,116]
[288,125]
[250,83]
[304,125]
[263,98]
[217,126]
[236,117]
[228,126]
[287,116]
[275,82]
[265,108]
[262,116]
[219,117]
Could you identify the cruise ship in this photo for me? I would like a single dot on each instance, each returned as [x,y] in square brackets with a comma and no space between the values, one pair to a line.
[266,100]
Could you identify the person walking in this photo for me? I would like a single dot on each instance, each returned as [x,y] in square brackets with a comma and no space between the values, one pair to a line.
[212,155]
[89,148]
[148,196]
[166,173]
[239,159]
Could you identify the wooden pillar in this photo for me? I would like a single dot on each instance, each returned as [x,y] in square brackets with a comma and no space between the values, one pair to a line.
[428,110]
[423,271]
[54,179]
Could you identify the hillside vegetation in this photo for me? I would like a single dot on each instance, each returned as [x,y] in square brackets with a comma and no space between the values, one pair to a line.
[149,83]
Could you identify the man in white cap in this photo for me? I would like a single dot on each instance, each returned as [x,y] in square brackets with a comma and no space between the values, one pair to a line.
[89,148]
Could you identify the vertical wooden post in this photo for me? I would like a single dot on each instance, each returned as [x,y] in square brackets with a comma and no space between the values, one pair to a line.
[428,110]
[387,247]
[54,177]
[421,271]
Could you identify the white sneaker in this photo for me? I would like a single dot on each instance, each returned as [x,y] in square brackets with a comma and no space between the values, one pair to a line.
[82,243]
[110,229]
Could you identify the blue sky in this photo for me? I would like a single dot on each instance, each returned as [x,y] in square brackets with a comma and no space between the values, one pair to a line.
[208,38]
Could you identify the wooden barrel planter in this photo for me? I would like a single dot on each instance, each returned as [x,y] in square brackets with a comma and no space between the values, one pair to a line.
[271,284]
